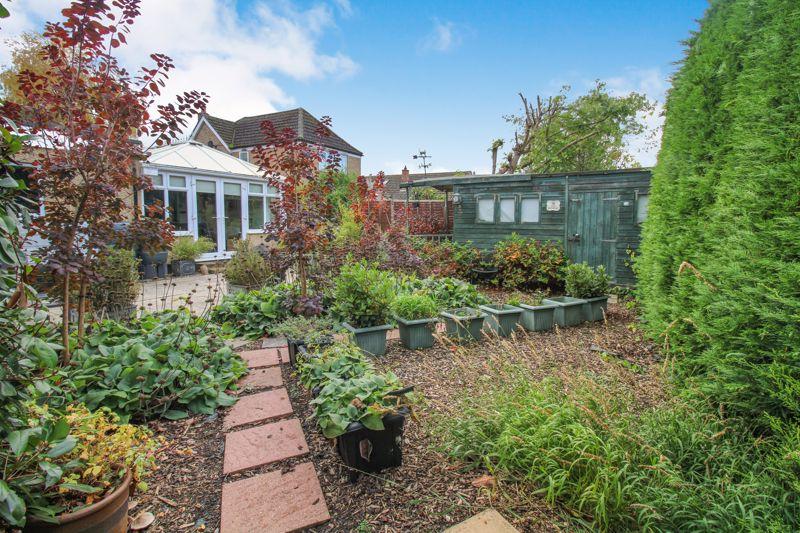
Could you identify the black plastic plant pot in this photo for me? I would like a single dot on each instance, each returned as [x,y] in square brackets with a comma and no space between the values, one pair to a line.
[372,340]
[484,274]
[594,310]
[293,347]
[502,318]
[538,317]
[417,334]
[464,323]
[367,450]
[183,267]
[569,311]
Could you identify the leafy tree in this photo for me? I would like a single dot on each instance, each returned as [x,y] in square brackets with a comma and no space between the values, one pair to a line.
[86,112]
[719,270]
[26,54]
[588,133]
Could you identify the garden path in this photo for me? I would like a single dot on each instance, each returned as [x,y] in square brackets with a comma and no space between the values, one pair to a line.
[261,432]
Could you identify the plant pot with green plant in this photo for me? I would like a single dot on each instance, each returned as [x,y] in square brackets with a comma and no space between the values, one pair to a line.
[73,472]
[314,333]
[362,298]
[416,316]
[114,294]
[502,318]
[592,285]
[247,270]
[184,253]
[536,315]
[463,323]
[485,271]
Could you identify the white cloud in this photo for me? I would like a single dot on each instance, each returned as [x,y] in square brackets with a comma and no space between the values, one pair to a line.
[234,57]
[444,36]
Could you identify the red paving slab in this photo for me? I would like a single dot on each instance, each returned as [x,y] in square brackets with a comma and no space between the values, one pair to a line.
[263,445]
[262,378]
[258,407]
[262,358]
[274,502]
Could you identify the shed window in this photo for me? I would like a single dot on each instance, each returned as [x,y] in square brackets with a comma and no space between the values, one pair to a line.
[486,209]
[642,202]
[508,209]
[529,210]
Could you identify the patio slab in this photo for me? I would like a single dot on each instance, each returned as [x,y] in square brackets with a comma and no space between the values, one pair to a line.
[258,408]
[274,502]
[262,378]
[263,445]
[262,358]
[488,521]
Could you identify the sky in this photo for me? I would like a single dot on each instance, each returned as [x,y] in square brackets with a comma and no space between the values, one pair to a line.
[400,76]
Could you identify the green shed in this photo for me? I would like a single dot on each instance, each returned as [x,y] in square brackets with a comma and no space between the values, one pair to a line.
[597,214]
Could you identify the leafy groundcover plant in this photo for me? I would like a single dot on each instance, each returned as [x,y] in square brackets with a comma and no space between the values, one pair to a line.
[414,307]
[363,294]
[448,293]
[527,263]
[250,314]
[349,390]
[310,330]
[582,281]
[164,364]
[676,467]
[60,463]
[516,298]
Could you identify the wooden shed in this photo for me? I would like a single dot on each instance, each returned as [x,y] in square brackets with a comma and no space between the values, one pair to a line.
[597,214]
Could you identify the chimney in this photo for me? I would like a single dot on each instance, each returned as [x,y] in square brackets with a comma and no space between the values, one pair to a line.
[405,178]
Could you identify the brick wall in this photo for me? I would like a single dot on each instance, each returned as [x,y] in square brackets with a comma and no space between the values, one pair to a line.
[425,216]
[206,134]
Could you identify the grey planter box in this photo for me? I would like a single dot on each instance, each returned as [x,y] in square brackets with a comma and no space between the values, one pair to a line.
[569,311]
[538,317]
[502,318]
[594,310]
[236,289]
[417,334]
[463,323]
[183,267]
[372,341]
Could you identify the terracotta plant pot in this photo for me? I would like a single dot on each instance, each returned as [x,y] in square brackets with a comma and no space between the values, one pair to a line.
[109,515]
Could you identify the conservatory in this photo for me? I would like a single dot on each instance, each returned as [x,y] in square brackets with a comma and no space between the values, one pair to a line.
[208,193]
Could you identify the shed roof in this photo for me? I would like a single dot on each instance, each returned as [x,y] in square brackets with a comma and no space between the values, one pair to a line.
[196,156]
[445,183]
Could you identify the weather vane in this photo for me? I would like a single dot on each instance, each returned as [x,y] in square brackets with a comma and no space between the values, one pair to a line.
[423,154]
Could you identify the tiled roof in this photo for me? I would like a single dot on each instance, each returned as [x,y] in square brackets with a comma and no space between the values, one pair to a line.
[246,131]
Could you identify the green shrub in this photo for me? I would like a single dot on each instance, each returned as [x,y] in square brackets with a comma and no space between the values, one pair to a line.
[189,249]
[118,289]
[527,263]
[448,293]
[247,267]
[162,364]
[363,295]
[249,314]
[582,281]
[311,330]
[677,467]
[448,258]
[718,267]
[414,307]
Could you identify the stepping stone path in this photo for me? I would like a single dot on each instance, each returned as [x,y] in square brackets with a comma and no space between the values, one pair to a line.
[283,499]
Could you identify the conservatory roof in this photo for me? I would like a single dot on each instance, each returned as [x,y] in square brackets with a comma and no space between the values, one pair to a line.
[197,157]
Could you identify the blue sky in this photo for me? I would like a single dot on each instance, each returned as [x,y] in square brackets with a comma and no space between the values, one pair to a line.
[399,76]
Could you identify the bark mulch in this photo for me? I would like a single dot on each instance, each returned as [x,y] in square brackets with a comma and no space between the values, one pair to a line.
[429,492]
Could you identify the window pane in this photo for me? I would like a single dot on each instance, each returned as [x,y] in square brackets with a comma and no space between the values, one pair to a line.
[179,210]
[267,211]
[233,189]
[529,210]
[244,155]
[152,197]
[255,205]
[486,209]
[507,206]
[343,163]
[207,211]
[642,202]
[177,181]
[158,181]
[256,188]
[207,187]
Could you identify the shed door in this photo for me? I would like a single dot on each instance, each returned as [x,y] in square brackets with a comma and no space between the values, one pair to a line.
[592,229]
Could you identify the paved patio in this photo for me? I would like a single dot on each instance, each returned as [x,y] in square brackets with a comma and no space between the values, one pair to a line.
[199,291]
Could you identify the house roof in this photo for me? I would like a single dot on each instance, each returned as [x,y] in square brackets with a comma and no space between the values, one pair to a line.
[246,131]
[196,156]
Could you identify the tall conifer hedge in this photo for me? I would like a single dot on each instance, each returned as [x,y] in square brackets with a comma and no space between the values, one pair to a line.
[719,269]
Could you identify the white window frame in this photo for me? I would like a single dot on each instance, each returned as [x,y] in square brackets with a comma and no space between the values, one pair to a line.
[485,196]
[165,187]
[266,194]
[639,194]
[499,215]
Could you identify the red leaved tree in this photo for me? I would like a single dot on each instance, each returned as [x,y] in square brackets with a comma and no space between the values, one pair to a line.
[87,112]
[303,174]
